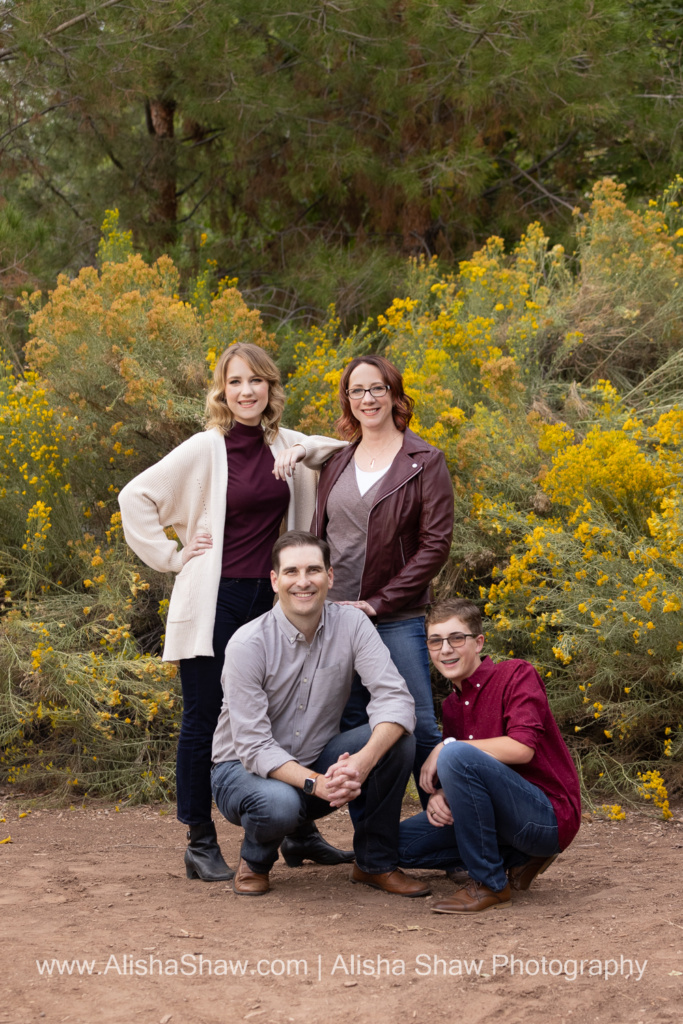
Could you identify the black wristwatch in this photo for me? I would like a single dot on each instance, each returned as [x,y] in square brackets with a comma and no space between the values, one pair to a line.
[309,785]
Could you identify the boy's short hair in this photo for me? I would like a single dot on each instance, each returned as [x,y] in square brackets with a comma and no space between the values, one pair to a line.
[458,607]
[299,539]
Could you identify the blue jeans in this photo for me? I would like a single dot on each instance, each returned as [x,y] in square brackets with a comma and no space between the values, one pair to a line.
[408,648]
[239,601]
[499,820]
[268,809]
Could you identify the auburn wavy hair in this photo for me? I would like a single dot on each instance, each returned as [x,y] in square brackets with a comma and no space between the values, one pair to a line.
[402,404]
[259,362]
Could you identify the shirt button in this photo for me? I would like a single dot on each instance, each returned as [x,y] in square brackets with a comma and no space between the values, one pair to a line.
[305,680]
[469,737]
[415,465]
[466,702]
[297,733]
[301,707]
[478,684]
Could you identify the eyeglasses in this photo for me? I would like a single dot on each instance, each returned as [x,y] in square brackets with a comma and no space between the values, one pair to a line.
[435,643]
[377,391]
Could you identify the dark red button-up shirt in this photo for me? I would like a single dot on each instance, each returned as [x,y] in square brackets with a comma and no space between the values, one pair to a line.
[509,699]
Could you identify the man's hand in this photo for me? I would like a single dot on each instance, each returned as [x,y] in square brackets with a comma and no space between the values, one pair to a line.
[200,543]
[286,461]
[344,778]
[335,795]
[428,774]
[438,811]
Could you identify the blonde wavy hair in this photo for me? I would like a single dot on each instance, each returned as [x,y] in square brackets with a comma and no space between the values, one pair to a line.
[217,412]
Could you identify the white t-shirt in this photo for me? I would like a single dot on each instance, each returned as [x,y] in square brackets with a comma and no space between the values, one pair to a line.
[366,480]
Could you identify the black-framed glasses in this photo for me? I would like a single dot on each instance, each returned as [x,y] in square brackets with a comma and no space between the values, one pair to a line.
[377,391]
[435,643]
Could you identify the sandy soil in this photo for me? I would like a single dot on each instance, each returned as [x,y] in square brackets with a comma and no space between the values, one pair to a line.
[95,885]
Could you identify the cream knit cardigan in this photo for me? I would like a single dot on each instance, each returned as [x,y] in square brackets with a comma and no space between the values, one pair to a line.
[188,490]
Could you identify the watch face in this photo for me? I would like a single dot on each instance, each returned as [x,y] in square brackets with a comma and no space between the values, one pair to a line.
[308,786]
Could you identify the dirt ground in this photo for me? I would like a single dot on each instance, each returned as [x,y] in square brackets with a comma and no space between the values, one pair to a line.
[108,890]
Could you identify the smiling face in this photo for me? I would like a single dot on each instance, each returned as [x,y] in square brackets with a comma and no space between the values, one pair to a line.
[246,394]
[302,583]
[372,413]
[455,663]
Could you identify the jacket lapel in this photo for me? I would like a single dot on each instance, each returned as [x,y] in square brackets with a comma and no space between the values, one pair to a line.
[403,467]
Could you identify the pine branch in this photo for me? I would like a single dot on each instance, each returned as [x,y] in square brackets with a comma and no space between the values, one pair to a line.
[27,120]
[11,50]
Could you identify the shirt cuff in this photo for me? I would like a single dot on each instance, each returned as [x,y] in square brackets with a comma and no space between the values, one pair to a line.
[406,719]
[524,734]
[267,761]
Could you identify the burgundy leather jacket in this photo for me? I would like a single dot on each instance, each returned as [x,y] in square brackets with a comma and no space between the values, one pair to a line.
[410,526]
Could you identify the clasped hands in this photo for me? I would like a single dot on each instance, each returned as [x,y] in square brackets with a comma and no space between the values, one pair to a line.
[343,780]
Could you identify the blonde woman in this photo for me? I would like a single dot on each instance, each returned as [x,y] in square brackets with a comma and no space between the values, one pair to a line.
[225,492]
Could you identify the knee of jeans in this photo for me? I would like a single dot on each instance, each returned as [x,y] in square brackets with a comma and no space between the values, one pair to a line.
[275,814]
[455,756]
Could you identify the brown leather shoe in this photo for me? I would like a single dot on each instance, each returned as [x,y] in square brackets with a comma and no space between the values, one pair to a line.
[471,898]
[395,882]
[523,875]
[248,883]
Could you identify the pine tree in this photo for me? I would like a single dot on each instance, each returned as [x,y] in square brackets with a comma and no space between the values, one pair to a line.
[318,145]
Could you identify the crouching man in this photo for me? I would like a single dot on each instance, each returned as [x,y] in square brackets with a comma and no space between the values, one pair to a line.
[505,796]
[279,758]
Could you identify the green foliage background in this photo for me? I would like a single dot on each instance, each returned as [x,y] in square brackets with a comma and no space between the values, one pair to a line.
[318,146]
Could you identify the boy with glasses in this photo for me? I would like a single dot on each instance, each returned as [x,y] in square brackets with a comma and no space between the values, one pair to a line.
[504,792]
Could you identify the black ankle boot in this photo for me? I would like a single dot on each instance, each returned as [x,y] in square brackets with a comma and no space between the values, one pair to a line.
[307,844]
[203,857]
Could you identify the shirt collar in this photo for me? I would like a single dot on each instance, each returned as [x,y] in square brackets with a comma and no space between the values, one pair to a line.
[482,673]
[289,631]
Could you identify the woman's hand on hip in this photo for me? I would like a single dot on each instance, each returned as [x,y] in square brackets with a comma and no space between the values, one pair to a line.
[200,543]
[363,606]
[286,461]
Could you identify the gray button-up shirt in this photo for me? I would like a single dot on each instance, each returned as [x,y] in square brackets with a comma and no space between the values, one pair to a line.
[283,698]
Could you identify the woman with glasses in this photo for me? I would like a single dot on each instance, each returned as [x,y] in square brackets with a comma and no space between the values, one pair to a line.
[385,507]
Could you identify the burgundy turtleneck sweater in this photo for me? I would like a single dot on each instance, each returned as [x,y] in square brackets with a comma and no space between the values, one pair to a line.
[256,504]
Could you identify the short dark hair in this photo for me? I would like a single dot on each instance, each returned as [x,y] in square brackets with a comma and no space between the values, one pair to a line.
[299,539]
[458,607]
[402,404]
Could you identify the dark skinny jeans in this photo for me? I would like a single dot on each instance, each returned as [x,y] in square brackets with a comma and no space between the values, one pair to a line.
[239,601]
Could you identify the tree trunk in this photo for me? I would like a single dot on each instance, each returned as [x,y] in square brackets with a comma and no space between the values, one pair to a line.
[164,208]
